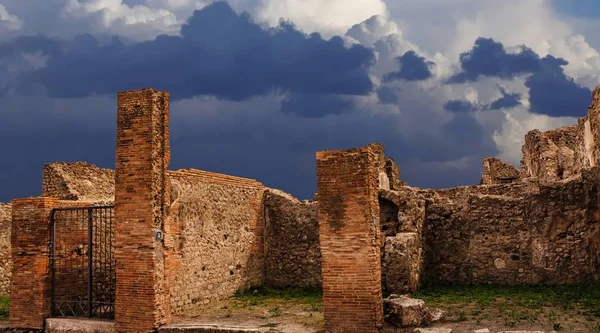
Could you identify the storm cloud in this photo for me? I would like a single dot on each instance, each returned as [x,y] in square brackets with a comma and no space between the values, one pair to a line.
[218,53]
[551,91]
[412,68]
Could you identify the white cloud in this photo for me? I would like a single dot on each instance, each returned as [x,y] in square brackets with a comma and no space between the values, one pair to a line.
[8,21]
[327,17]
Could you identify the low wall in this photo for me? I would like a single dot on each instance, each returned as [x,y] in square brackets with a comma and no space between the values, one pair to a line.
[5,259]
[514,234]
[214,237]
[292,250]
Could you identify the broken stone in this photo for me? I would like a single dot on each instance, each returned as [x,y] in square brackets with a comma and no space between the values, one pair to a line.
[433,330]
[404,311]
[483,330]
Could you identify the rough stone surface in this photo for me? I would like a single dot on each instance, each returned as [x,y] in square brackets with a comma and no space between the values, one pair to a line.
[401,263]
[78,181]
[64,325]
[403,311]
[514,234]
[497,172]
[349,232]
[5,259]
[433,330]
[214,236]
[292,250]
[393,172]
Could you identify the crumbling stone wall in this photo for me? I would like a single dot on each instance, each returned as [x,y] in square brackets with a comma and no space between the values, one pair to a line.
[563,152]
[497,172]
[513,234]
[292,249]
[5,259]
[214,237]
[78,181]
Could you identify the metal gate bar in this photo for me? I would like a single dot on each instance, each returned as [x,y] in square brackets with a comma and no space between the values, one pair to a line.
[82,288]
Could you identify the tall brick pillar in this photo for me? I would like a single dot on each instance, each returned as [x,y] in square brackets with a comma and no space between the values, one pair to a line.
[141,199]
[349,232]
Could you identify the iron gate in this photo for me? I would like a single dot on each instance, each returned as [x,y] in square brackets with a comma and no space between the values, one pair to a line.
[83,262]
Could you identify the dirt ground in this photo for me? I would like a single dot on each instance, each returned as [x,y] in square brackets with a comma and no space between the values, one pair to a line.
[560,309]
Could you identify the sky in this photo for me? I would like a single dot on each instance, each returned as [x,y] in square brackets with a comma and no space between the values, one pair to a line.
[259,86]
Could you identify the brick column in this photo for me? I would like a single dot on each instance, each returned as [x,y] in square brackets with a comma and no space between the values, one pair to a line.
[141,199]
[349,232]
[30,280]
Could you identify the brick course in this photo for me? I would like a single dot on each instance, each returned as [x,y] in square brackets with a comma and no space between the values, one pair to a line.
[349,232]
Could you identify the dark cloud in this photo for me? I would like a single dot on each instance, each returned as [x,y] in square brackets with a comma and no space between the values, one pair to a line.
[316,105]
[460,105]
[218,53]
[488,58]
[551,91]
[388,95]
[412,68]
[507,101]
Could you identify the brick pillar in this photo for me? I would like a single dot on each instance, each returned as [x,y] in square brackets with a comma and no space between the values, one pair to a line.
[349,232]
[30,280]
[141,203]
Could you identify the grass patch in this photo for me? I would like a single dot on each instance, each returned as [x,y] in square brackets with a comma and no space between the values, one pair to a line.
[312,297]
[4,306]
[516,304]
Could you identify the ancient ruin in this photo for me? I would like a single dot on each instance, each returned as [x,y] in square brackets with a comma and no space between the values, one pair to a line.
[164,242]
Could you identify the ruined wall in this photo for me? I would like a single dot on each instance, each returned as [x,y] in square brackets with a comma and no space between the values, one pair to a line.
[5,259]
[292,250]
[497,172]
[214,237]
[514,234]
[563,152]
[78,181]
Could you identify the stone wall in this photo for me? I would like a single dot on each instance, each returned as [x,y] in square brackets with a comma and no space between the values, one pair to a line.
[292,250]
[514,234]
[78,181]
[214,237]
[5,259]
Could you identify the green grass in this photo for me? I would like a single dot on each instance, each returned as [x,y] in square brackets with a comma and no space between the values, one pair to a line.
[516,304]
[313,297]
[4,306]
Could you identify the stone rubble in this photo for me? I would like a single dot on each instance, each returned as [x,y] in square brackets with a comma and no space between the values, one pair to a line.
[403,311]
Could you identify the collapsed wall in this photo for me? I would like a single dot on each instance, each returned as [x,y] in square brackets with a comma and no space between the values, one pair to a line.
[5,258]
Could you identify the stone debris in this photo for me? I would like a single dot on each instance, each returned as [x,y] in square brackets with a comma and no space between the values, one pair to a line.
[433,330]
[483,330]
[404,311]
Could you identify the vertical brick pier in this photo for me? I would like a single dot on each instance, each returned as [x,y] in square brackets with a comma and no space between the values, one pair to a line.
[349,232]
[30,282]
[141,204]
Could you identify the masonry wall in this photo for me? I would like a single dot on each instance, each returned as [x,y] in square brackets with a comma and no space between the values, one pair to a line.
[78,181]
[215,238]
[514,234]
[5,259]
[292,250]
